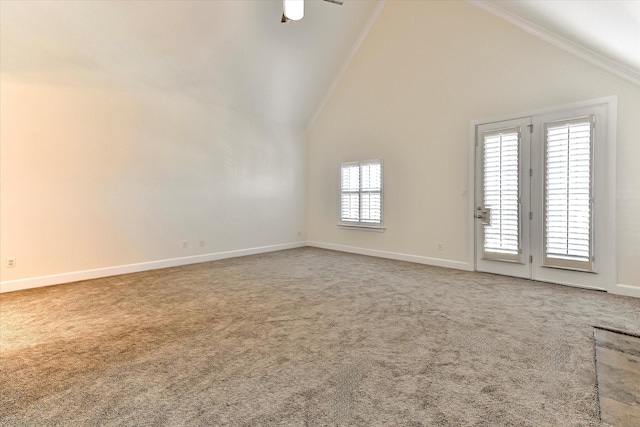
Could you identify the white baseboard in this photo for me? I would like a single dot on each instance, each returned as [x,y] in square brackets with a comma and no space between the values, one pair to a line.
[56,279]
[626,290]
[458,265]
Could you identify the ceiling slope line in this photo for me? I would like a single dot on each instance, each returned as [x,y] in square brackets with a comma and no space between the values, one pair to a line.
[356,46]
[569,46]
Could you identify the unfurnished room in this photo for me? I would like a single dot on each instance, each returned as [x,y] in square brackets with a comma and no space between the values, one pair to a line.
[319,213]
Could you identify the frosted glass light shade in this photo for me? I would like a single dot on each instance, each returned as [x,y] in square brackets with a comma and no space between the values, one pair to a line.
[293,9]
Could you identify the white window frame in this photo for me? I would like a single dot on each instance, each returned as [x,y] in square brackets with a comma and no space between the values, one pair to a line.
[548,260]
[362,225]
[497,254]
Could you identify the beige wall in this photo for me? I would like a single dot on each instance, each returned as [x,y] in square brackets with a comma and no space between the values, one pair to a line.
[97,174]
[424,72]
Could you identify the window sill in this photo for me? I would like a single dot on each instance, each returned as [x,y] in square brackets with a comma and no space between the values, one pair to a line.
[362,227]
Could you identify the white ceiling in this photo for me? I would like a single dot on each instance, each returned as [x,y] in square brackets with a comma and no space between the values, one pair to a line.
[237,54]
[605,32]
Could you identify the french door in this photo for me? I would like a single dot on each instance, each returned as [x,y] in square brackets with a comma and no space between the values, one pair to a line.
[536,206]
[503,198]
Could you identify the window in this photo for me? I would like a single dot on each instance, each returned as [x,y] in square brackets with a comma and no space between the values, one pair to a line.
[568,193]
[501,193]
[361,193]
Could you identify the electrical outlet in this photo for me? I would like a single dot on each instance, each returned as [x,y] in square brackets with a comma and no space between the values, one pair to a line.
[11,262]
[201,243]
[440,246]
[184,244]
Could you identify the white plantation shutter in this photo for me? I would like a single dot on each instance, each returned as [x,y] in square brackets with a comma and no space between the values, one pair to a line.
[361,192]
[350,194]
[370,192]
[567,194]
[501,194]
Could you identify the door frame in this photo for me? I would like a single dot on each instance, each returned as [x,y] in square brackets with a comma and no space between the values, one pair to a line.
[515,268]
[606,198]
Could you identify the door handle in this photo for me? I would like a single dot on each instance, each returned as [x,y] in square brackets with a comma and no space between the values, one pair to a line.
[484,214]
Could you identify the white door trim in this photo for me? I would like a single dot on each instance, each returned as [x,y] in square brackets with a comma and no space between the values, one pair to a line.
[516,265]
[609,161]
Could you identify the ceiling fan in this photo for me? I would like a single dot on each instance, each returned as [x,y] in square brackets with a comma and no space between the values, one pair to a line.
[293,10]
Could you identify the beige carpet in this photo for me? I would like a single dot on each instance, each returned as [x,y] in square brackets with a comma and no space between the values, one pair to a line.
[304,337]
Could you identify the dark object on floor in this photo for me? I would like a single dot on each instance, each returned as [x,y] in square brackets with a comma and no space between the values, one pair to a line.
[618,371]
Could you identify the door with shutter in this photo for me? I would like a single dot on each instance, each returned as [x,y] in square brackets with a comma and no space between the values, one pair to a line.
[502,198]
[537,191]
[567,221]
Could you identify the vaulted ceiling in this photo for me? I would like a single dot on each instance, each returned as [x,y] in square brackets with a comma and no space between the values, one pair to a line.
[238,55]
[604,32]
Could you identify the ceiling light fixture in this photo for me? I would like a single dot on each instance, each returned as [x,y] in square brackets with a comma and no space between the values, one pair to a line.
[293,9]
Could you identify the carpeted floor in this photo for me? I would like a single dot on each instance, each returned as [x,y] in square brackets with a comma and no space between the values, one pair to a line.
[305,337]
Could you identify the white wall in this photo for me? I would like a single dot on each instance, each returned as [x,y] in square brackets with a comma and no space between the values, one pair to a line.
[97,174]
[424,72]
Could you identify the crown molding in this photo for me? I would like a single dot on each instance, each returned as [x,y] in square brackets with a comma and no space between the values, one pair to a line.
[569,46]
